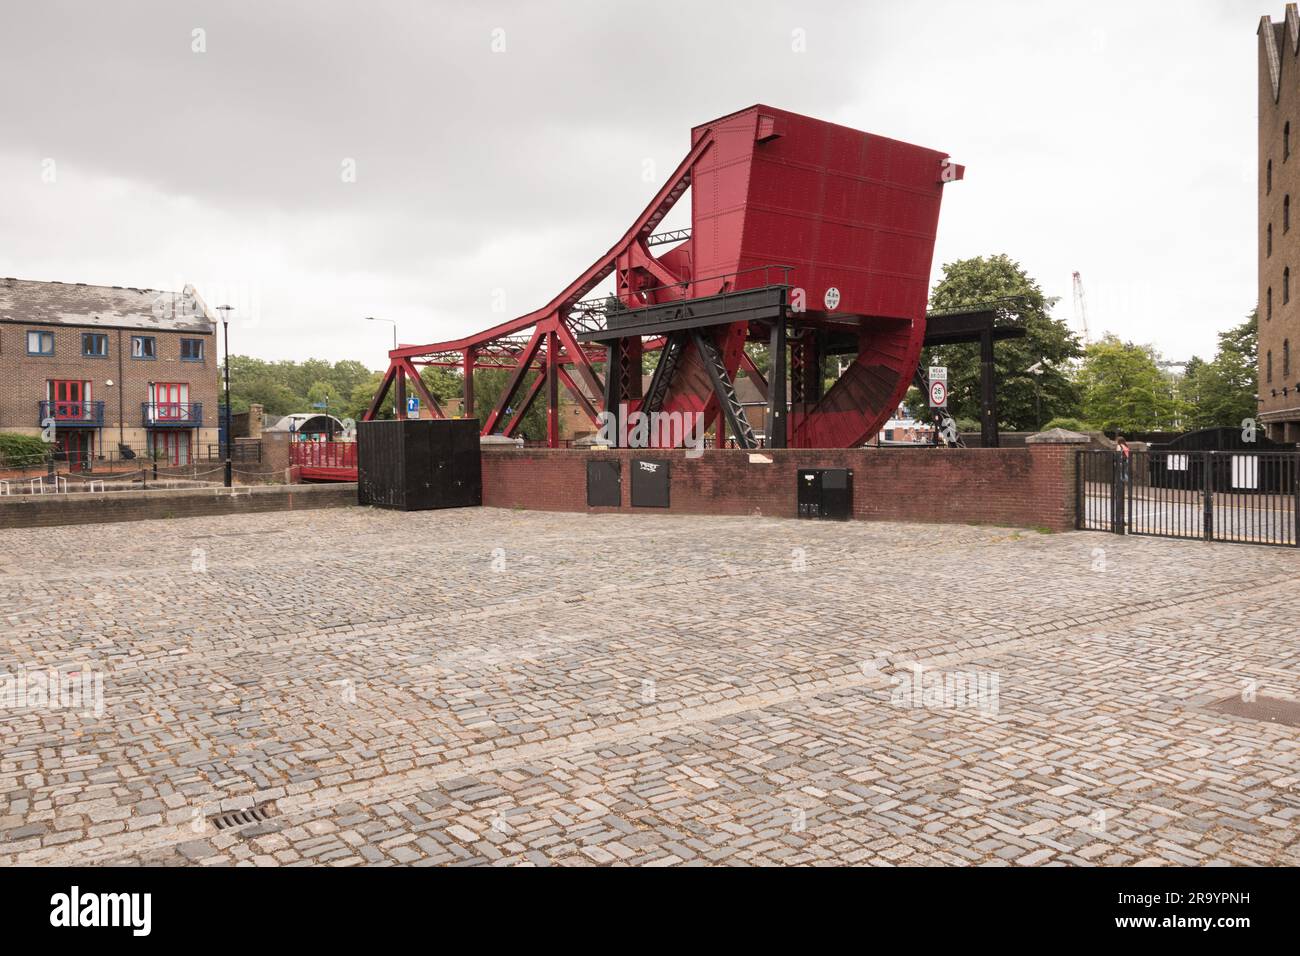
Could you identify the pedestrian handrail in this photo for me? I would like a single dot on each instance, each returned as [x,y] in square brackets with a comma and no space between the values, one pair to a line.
[37,485]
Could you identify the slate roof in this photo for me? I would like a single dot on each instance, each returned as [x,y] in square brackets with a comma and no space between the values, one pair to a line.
[74,303]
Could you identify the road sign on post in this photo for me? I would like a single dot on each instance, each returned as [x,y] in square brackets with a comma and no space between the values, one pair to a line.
[938,393]
[412,407]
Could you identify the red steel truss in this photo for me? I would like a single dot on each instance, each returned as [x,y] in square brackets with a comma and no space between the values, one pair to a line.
[852,215]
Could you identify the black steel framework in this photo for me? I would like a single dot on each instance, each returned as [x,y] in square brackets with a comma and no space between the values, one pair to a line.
[1233,496]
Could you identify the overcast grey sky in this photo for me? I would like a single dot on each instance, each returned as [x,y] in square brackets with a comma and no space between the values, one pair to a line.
[1115,137]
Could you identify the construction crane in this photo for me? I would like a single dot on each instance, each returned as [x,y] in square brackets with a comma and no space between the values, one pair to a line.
[1081,309]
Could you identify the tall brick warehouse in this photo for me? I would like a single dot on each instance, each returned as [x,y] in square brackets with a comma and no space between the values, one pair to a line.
[1279,233]
[108,367]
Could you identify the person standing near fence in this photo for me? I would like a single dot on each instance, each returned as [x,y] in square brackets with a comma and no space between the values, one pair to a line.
[1122,454]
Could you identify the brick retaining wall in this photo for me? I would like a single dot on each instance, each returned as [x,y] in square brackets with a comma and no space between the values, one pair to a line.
[29,511]
[1017,487]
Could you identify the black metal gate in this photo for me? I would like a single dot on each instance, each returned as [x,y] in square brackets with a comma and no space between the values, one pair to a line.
[1246,497]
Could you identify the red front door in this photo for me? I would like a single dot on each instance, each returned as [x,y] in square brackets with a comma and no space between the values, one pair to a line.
[174,447]
[76,447]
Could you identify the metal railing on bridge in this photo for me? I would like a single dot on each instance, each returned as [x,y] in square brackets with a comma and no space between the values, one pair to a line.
[323,454]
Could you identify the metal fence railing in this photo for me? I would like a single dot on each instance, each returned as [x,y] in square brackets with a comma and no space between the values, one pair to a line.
[1245,497]
[171,414]
[71,413]
[243,451]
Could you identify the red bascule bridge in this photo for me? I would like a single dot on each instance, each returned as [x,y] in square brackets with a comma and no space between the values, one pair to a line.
[813,239]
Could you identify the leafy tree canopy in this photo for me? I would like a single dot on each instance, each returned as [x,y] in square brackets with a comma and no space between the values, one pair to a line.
[1049,341]
[1222,392]
[1124,389]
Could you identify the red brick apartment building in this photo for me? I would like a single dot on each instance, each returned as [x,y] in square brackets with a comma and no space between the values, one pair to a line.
[109,367]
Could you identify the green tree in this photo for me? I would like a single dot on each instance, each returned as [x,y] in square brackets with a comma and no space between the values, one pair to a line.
[325,395]
[444,383]
[253,380]
[347,375]
[1124,389]
[969,282]
[1190,387]
[1222,392]
[489,383]
[358,400]
[285,387]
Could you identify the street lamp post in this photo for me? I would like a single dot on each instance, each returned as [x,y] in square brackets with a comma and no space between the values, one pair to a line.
[393,322]
[225,322]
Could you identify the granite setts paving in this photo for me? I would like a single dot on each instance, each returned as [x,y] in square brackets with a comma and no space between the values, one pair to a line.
[497,687]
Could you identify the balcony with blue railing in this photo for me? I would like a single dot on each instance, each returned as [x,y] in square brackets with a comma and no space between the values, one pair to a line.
[172,414]
[72,414]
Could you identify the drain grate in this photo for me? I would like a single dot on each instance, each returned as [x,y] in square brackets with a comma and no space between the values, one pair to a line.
[1271,710]
[241,818]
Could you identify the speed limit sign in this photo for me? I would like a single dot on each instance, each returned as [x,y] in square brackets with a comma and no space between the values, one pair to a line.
[938,394]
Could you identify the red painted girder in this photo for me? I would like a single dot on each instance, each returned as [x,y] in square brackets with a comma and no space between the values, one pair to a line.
[380,393]
[588,409]
[518,418]
[513,385]
[423,392]
[574,353]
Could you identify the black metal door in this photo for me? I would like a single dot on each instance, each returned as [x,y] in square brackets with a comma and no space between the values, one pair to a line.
[604,484]
[809,493]
[649,483]
[824,493]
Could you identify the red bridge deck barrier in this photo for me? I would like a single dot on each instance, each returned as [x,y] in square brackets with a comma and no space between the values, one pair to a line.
[325,460]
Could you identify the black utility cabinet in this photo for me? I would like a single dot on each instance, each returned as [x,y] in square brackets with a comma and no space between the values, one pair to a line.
[604,484]
[825,493]
[649,483]
[419,464]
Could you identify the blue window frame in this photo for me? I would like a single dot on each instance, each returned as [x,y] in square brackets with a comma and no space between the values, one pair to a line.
[40,343]
[144,347]
[191,350]
[94,345]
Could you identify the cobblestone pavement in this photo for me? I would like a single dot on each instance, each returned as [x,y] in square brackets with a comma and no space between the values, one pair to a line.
[487,686]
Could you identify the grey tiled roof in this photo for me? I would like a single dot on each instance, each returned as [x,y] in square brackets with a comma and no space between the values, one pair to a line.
[65,303]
